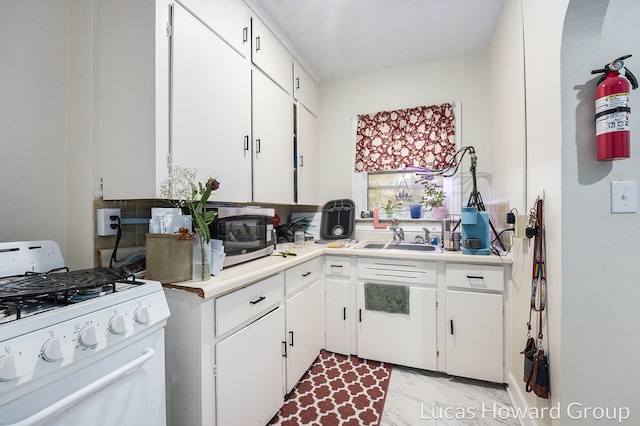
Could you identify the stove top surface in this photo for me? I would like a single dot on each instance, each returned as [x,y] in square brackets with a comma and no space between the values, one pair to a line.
[26,295]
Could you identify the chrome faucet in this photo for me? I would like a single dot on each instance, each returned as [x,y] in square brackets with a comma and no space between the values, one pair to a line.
[398,233]
[426,235]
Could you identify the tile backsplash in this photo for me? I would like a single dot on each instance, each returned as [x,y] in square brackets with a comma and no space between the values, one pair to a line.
[133,235]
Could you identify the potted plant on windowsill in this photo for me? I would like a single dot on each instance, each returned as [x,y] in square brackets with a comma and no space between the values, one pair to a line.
[388,208]
[433,199]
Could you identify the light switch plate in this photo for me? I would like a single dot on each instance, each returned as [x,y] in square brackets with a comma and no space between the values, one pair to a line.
[624,196]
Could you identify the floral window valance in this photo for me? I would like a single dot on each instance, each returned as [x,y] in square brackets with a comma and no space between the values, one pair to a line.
[423,136]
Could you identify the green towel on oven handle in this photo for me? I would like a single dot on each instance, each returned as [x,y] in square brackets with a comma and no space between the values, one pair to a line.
[389,298]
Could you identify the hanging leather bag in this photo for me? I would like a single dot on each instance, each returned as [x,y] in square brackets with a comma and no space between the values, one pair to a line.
[536,365]
[538,380]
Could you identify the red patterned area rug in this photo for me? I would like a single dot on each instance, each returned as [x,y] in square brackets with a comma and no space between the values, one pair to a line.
[337,390]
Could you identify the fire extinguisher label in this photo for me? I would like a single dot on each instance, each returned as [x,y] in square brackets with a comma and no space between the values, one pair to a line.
[616,120]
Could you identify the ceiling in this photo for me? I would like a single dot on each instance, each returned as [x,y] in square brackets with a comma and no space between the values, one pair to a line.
[339,38]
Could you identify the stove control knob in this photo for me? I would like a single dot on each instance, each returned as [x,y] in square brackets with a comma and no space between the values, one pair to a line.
[91,335]
[14,366]
[57,348]
[119,325]
[142,315]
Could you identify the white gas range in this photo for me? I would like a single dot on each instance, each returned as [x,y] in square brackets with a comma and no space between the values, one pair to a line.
[78,347]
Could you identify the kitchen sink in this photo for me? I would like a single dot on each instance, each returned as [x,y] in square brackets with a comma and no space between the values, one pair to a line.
[399,245]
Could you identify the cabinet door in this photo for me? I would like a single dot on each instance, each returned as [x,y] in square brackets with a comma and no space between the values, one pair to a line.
[404,339]
[133,98]
[305,331]
[337,316]
[307,160]
[475,335]
[273,142]
[305,88]
[230,19]
[250,372]
[271,56]
[211,108]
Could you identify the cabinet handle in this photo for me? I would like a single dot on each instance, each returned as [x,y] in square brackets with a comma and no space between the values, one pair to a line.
[246,142]
[257,43]
[257,146]
[306,274]
[258,300]
[344,313]
[302,161]
[451,322]
[245,34]
[284,344]
[291,333]
[360,315]
[297,82]
[475,277]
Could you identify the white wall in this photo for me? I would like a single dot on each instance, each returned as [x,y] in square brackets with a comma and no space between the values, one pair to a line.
[33,119]
[543,24]
[600,291]
[461,79]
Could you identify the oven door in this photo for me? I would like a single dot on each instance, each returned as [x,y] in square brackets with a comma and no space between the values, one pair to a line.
[124,388]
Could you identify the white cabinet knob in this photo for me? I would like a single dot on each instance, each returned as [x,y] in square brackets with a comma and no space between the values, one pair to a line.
[57,348]
[120,325]
[14,366]
[142,315]
[91,335]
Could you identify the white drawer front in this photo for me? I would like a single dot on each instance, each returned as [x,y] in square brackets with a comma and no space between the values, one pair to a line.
[405,271]
[337,266]
[235,308]
[302,275]
[478,277]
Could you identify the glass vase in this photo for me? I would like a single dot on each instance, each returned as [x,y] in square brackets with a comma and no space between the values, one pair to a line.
[201,269]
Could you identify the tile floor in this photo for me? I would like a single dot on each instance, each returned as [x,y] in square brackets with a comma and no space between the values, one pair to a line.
[417,398]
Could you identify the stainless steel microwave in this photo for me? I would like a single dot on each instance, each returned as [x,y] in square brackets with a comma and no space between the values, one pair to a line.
[246,233]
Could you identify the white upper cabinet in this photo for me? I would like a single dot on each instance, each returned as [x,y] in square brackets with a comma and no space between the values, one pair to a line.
[211,100]
[133,98]
[307,157]
[306,89]
[271,56]
[230,19]
[273,142]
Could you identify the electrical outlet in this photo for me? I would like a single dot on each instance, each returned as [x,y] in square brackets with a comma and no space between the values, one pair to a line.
[107,226]
[520,227]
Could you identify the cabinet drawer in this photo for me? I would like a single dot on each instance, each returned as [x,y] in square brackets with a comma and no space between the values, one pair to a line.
[405,271]
[234,308]
[479,277]
[302,275]
[337,266]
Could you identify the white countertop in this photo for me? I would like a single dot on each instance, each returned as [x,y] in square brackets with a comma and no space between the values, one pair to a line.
[238,276]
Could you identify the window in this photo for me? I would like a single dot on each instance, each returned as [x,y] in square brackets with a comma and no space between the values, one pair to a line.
[372,188]
[398,186]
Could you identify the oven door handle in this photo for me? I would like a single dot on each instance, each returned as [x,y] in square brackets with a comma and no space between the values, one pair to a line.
[86,391]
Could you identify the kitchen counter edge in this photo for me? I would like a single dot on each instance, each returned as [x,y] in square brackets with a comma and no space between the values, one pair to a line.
[231,279]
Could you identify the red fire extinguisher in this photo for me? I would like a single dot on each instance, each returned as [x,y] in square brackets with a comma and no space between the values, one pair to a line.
[612,110]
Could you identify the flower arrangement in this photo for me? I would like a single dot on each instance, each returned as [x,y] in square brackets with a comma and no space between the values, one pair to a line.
[181,190]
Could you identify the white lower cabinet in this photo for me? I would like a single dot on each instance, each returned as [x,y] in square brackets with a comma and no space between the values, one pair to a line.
[475,321]
[340,304]
[305,331]
[407,339]
[250,372]
[338,316]
[475,335]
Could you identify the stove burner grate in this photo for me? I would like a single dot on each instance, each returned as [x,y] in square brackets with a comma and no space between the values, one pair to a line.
[59,283]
